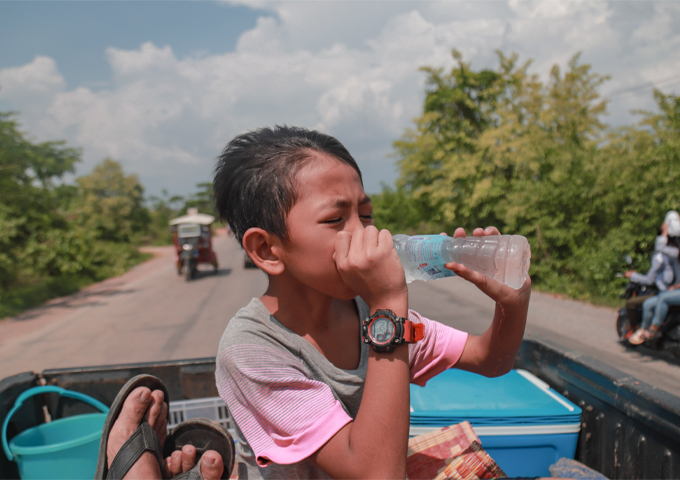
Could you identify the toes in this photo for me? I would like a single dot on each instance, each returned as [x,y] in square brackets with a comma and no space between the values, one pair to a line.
[157,415]
[181,460]
[188,457]
[168,468]
[131,414]
[211,465]
[162,424]
[135,406]
[176,463]
[154,410]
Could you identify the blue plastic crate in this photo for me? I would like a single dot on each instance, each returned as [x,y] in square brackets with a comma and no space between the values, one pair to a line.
[523,424]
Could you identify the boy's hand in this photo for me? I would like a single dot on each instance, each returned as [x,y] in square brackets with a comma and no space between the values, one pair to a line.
[493,353]
[506,296]
[369,265]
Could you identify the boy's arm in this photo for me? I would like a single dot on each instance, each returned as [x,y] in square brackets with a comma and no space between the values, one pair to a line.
[375,444]
[493,353]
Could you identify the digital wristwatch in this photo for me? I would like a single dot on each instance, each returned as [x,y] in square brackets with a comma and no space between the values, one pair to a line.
[384,330]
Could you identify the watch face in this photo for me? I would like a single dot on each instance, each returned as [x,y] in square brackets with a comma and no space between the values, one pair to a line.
[381,330]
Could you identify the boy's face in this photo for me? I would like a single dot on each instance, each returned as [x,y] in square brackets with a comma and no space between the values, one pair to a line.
[331,200]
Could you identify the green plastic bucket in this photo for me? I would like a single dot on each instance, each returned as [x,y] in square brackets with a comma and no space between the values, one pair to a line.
[66,448]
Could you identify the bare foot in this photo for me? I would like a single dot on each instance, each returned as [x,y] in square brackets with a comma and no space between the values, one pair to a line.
[212,465]
[134,410]
[182,461]
[157,415]
[142,403]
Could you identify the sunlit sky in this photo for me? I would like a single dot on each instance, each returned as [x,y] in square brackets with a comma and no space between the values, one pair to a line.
[162,86]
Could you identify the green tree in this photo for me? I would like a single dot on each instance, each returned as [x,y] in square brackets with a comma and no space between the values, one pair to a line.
[545,148]
[35,237]
[504,148]
[111,203]
[162,209]
[202,199]
[433,157]
[638,178]
[56,238]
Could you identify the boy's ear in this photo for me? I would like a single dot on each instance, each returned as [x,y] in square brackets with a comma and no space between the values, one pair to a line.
[263,249]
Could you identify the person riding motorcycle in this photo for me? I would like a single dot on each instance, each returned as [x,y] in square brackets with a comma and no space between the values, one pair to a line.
[659,276]
[655,308]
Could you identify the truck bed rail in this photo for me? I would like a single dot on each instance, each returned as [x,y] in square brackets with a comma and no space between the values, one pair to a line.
[629,429]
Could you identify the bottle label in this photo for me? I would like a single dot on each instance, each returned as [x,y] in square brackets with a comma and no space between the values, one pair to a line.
[426,251]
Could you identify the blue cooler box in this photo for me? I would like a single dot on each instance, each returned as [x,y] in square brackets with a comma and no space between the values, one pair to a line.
[523,424]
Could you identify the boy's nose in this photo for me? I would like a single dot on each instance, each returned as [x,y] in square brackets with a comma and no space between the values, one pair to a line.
[354,223]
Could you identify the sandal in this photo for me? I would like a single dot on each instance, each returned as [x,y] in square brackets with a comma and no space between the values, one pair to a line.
[653,334]
[204,435]
[144,439]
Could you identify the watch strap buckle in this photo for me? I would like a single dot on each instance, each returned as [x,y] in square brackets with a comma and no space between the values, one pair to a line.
[413,332]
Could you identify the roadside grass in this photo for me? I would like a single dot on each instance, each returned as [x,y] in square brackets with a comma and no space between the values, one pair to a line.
[34,291]
[573,288]
[594,300]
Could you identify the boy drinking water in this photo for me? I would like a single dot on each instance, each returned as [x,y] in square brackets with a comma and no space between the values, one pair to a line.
[312,394]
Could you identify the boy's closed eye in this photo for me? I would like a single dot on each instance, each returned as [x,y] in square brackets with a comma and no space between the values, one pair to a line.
[367,218]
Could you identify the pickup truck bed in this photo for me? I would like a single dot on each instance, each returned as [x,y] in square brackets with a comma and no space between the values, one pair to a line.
[629,428]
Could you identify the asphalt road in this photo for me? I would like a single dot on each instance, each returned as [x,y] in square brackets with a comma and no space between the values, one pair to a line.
[152,314]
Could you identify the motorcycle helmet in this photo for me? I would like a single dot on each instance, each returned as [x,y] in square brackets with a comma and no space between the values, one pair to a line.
[673,221]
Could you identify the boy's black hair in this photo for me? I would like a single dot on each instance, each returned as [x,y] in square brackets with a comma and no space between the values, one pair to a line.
[254,182]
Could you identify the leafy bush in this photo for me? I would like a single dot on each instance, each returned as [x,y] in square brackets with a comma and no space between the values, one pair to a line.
[500,147]
[56,239]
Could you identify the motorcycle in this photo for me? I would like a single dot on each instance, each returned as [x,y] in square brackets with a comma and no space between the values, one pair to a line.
[669,338]
[188,259]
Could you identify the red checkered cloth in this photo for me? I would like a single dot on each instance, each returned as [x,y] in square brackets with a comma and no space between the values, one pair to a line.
[452,453]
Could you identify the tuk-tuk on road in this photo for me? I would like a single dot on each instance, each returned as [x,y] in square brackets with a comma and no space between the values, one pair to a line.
[192,237]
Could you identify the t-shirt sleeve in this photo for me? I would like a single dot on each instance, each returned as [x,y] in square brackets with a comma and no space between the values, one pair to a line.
[284,415]
[439,350]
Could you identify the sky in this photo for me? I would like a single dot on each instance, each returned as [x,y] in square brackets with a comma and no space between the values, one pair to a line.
[162,86]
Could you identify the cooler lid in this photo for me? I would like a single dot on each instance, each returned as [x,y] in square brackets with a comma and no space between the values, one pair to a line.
[518,398]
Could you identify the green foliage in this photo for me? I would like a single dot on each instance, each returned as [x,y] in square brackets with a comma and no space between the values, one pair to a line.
[202,199]
[395,210]
[504,148]
[166,207]
[111,203]
[162,210]
[56,238]
[30,221]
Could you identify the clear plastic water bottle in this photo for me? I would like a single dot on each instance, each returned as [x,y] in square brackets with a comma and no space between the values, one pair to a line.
[505,258]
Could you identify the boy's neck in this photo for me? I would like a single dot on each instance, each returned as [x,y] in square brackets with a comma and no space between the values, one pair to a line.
[300,308]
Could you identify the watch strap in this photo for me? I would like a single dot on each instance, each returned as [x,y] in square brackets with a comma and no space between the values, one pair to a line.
[413,332]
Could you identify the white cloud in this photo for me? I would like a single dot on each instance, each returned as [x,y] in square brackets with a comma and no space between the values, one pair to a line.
[349,68]
[31,88]
[38,77]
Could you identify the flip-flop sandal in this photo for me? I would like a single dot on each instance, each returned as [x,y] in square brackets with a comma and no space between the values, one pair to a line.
[652,335]
[204,435]
[144,439]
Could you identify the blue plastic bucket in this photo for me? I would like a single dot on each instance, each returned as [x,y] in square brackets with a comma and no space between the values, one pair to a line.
[66,448]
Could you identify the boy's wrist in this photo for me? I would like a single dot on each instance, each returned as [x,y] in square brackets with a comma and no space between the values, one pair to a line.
[398,352]
[398,304]
[511,313]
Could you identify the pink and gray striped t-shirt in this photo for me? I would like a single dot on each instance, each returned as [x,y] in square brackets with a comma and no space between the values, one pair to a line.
[287,400]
